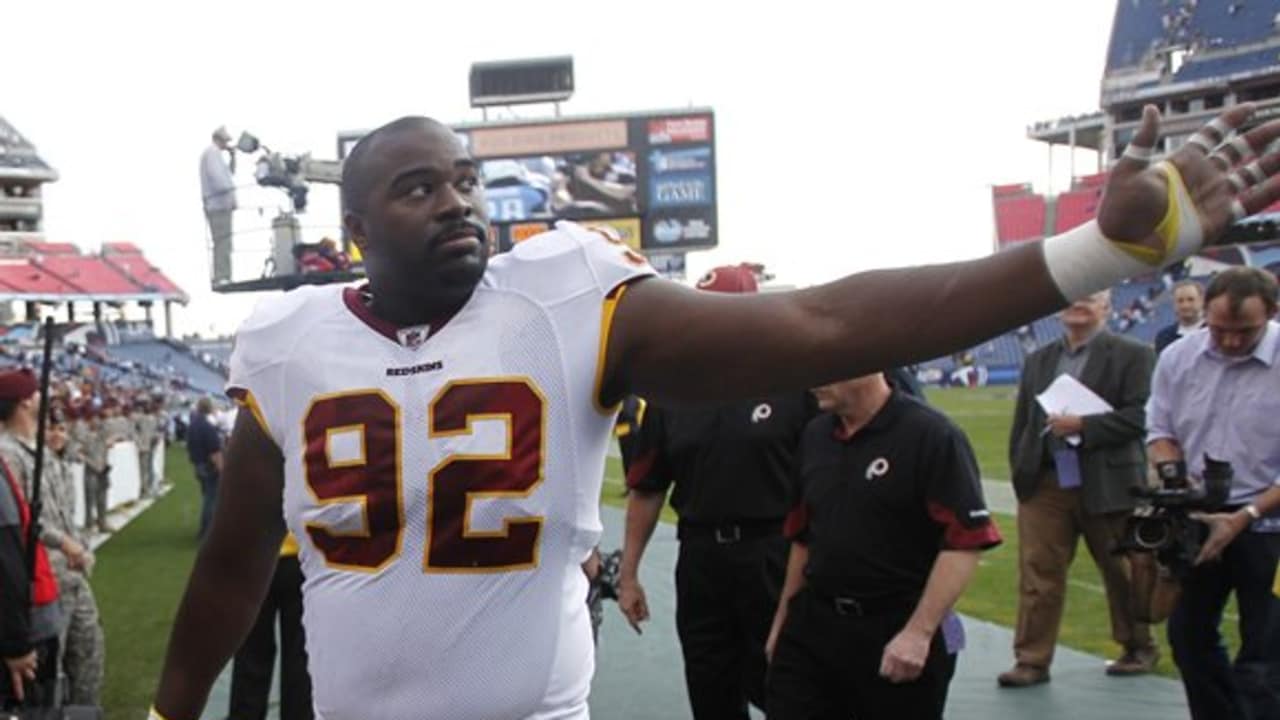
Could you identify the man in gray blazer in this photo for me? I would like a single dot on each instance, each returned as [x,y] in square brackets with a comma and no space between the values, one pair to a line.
[1072,476]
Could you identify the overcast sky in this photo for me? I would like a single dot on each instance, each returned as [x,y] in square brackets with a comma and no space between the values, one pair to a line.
[850,136]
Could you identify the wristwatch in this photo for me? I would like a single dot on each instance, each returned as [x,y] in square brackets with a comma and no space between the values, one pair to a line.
[1253,512]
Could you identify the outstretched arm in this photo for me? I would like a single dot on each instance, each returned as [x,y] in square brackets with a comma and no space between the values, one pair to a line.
[1151,215]
[231,573]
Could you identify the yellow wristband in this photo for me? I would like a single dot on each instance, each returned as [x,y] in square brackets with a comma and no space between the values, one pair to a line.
[154,714]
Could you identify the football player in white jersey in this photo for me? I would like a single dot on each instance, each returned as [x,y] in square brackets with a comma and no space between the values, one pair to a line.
[436,437]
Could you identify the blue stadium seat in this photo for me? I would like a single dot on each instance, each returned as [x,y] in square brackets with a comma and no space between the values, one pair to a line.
[165,357]
[1196,69]
[1142,25]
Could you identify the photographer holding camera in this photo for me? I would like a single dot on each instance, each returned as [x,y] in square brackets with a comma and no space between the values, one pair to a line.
[1214,395]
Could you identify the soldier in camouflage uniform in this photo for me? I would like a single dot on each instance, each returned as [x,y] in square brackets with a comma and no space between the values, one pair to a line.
[97,473]
[147,430]
[77,444]
[165,430]
[30,633]
[82,643]
[118,424]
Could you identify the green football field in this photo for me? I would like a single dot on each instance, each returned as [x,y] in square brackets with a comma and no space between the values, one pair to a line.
[141,571]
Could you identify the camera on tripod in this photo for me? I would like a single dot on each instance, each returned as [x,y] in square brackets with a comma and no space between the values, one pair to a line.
[1162,525]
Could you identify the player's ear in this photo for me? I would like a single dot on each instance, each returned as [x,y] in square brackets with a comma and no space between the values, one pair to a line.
[354,224]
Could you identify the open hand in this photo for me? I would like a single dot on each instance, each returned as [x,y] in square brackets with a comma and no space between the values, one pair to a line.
[1224,178]
[1223,528]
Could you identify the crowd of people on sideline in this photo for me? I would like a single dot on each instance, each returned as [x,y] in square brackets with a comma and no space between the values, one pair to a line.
[782,604]
[53,645]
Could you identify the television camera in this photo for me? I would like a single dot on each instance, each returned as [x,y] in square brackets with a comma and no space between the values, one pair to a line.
[290,173]
[1162,524]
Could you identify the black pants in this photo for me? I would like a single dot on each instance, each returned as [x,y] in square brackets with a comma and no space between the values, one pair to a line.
[41,692]
[827,665]
[256,659]
[1217,689]
[726,594]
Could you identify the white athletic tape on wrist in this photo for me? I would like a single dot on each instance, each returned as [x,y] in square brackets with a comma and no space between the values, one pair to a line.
[1083,261]
[154,714]
[1137,152]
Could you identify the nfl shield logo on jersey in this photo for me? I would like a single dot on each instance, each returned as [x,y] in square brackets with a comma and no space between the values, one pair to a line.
[412,337]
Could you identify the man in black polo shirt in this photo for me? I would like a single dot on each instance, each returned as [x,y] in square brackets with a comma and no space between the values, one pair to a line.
[885,538]
[204,448]
[733,468]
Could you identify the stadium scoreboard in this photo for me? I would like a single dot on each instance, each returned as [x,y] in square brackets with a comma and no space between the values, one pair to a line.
[650,176]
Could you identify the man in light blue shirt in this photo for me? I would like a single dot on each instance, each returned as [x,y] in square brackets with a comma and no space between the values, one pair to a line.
[1216,392]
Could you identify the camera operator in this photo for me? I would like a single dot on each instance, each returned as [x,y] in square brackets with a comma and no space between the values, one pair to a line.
[1215,394]
[218,188]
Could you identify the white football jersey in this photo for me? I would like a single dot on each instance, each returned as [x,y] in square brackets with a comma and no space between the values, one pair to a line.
[444,483]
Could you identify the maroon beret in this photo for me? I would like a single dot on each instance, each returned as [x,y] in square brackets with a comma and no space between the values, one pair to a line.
[18,384]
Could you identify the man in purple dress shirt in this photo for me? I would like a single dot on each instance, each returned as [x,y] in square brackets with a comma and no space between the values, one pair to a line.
[1217,394]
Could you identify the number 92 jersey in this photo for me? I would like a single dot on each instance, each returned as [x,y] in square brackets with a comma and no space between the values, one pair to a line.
[444,482]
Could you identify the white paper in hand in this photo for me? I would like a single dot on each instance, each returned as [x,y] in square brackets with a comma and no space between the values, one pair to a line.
[1068,396]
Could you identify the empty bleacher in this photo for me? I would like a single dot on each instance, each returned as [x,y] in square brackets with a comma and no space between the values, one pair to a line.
[89,273]
[1076,208]
[173,360]
[1020,214]
[1142,26]
[1225,65]
[1007,351]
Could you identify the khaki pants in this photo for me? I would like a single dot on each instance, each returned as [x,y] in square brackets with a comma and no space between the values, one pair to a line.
[1049,527]
[220,230]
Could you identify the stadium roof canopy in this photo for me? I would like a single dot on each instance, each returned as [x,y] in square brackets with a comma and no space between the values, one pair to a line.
[33,269]
[1079,131]
[18,158]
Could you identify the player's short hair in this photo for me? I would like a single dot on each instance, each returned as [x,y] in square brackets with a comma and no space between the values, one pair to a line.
[1240,284]
[356,178]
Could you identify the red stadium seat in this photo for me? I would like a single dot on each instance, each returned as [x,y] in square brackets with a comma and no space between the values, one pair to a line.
[1076,208]
[1019,218]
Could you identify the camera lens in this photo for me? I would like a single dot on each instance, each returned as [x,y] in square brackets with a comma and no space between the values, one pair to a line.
[1151,533]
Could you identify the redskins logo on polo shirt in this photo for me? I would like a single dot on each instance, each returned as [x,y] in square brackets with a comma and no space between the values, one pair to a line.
[763,412]
[877,468]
